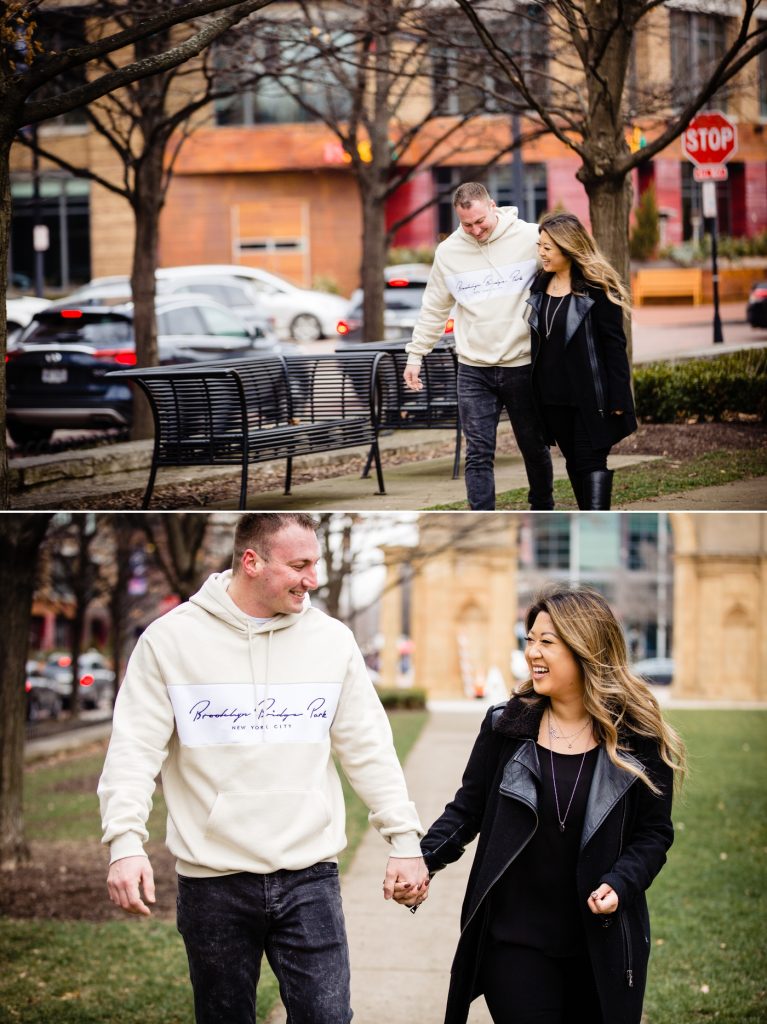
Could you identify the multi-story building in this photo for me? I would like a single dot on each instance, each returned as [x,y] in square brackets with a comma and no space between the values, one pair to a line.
[265,183]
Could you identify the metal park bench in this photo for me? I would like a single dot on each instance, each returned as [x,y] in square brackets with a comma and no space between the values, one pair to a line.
[435,407]
[241,411]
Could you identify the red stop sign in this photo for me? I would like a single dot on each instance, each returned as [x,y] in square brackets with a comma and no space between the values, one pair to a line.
[709,138]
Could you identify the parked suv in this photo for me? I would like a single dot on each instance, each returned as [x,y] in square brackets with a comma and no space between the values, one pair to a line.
[403,297]
[56,371]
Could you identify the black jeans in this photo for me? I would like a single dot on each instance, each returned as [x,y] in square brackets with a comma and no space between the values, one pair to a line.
[483,393]
[295,917]
[566,424]
[525,986]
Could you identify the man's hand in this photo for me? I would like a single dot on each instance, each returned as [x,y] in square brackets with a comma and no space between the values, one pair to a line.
[407,879]
[413,377]
[125,879]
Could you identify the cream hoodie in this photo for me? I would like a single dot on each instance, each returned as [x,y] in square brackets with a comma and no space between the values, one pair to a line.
[488,283]
[241,720]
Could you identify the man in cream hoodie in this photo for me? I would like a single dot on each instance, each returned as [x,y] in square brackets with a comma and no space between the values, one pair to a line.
[240,697]
[484,270]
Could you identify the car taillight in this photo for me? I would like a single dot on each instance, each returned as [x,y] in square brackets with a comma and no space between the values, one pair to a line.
[27,685]
[64,661]
[123,356]
[71,314]
[449,326]
[759,294]
[87,680]
[342,327]
[12,354]
[398,282]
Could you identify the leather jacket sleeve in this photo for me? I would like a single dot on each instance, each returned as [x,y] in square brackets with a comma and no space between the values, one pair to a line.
[650,835]
[460,822]
[607,320]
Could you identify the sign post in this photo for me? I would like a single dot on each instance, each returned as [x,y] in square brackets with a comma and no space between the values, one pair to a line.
[709,141]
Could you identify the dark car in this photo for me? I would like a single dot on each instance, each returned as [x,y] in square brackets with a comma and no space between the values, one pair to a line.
[756,310]
[42,700]
[95,676]
[403,296]
[56,371]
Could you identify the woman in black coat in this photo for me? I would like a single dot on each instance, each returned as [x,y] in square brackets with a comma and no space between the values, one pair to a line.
[569,788]
[580,371]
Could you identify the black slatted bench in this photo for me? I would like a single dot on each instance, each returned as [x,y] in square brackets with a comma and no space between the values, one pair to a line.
[242,411]
[435,407]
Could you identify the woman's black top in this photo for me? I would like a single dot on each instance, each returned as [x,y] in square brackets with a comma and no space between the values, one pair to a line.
[535,902]
[551,371]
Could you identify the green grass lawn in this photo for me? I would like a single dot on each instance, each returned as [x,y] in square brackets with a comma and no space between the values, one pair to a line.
[649,480]
[708,906]
[126,971]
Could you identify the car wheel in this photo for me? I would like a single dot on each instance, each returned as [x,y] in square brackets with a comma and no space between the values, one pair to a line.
[306,327]
[28,433]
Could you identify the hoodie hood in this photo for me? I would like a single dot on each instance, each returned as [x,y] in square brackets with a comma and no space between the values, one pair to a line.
[508,216]
[214,598]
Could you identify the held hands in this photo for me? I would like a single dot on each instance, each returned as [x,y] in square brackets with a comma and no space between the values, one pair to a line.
[603,900]
[413,377]
[407,881]
[125,878]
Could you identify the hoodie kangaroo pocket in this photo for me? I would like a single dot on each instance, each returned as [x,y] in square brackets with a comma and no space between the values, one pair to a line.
[267,824]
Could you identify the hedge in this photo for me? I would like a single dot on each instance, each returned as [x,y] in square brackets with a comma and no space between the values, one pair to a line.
[714,388]
[407,699]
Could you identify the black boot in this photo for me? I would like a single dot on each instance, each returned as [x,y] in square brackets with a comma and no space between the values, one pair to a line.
[596,489]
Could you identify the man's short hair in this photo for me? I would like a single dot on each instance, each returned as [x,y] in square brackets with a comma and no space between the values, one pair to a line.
[470,192]
[257,530]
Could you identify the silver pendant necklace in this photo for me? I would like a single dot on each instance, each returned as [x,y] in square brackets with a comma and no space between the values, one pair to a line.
[560,817]
[556,730]
[550,323]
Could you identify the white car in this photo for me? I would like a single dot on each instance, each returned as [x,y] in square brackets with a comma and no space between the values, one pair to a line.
[20,312]
[299,313]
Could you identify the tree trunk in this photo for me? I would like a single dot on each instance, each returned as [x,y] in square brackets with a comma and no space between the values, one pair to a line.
[19,544]
[6,137]
[147,206]
[373,260]
[118,600]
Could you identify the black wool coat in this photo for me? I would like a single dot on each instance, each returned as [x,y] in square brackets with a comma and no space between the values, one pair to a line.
[596,363]
[626,833]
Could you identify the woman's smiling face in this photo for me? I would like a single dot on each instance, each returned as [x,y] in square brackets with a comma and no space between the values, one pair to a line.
[551,256]
[553,666]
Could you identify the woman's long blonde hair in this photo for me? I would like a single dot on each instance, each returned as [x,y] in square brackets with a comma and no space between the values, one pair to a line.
[616,699]
[569,235]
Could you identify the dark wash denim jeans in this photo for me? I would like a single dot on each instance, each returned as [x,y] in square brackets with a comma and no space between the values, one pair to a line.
[483,393]
[295,917]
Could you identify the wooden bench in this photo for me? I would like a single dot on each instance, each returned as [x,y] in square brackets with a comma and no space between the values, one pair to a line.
[243,411]
[668,283]
[435,407]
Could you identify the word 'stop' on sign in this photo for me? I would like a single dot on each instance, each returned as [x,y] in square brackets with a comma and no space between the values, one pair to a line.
[710,138]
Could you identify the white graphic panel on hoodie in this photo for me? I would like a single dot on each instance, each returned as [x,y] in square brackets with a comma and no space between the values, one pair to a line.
[246,713]
[477,285]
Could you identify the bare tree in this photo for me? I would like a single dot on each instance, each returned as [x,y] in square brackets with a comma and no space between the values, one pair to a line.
[146,124]
[29,70]
[369,71]
[584,96]
[178,543]
[20,540]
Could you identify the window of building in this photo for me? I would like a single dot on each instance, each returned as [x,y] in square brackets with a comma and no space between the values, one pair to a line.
[64,207]
[551,541]
[57,33]
[498,182]
[698,43]
[641,540]
[464,78]
[299,73]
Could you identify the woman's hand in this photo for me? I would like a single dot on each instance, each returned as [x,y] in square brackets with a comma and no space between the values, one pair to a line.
[603,900]
[617,412]
[410,895]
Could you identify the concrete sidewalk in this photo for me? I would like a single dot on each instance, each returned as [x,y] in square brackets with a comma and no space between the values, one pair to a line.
[400,962]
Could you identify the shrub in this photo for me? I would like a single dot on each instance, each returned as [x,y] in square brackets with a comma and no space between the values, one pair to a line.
[423,254]
[646,234]
[406,699]
[326,283]
[702,389]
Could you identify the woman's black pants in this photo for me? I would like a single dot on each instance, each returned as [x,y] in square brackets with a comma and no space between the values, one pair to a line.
[525,986]
[582,460]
